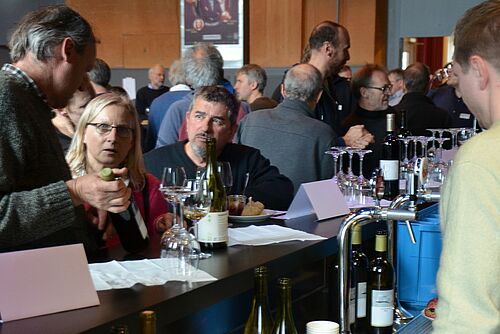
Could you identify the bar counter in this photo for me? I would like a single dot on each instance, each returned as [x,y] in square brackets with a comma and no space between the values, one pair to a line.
[179,301]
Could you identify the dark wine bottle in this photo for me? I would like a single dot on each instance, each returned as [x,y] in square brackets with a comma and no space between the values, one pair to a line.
[381,288]
[284,323]
[259,321]
[403,132]
[212,229]
[148,322]
[129,224]
[360,269]
[389,162]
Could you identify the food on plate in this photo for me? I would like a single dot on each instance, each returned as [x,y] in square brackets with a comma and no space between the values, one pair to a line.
[430,309]
[253,208]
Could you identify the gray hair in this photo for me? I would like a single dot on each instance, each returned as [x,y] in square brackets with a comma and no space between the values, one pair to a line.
[176,73]
[40,31]
[254,73]
[203,65]
[100,74]
[303,82]
[218,94]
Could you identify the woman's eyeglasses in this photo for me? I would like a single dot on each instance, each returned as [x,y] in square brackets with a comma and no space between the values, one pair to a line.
[104,129]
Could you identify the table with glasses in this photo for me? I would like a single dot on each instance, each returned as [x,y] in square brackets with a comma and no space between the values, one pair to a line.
[217,307]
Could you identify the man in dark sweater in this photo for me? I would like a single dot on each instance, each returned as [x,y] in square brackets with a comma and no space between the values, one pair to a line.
[40,204]
[421,112]
[213,112]
[147,94]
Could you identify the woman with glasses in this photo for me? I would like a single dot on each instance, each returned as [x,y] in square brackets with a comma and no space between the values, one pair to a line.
[108,135]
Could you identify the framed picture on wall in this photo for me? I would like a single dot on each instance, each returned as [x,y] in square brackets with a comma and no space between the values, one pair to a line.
[219,22]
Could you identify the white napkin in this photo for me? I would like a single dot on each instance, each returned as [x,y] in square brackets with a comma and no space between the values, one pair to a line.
[267,234]
[125,274]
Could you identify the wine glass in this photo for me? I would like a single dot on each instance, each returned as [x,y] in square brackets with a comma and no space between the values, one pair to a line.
[197,206]
[224,169]
[335,152]
[454,133]
[172,184]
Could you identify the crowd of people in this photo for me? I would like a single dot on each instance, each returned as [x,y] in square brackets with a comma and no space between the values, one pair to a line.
[62,123]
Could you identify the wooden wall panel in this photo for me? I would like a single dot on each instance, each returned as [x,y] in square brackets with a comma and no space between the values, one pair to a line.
[139,33]
[275,36]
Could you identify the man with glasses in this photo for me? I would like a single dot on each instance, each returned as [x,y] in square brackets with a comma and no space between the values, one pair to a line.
[371,88]
[421,113]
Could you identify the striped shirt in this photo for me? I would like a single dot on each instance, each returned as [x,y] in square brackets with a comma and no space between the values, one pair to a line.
[17,72]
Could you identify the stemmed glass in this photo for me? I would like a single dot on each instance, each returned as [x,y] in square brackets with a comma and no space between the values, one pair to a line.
[454,132]
[439,134]
[224,169]
[414,139]
[335,152]
[172,184]
[405,141]
[362,181]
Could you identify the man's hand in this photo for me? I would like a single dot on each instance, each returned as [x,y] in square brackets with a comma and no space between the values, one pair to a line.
[112,196]
[358,137]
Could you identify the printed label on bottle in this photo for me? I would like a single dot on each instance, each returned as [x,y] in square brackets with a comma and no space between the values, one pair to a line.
[390,168]
[352,305]
[361,307]
[213,227]
[382,308]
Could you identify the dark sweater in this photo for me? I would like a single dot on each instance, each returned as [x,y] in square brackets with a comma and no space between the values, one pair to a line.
[145,97]
[266,184]
[35,206]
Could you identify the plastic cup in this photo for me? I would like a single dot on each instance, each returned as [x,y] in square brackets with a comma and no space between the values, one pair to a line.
[322,327]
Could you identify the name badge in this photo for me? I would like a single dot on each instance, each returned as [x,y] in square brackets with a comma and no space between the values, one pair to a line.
[464,116]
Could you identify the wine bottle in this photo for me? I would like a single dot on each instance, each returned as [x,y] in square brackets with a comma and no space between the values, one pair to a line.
[259,321]
[129,224]
[381,288]
[284,323]
[389,162]
[212,229]
[360,269]
[148,322]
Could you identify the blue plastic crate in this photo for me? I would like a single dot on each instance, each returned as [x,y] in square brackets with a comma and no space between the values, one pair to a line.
[417,264]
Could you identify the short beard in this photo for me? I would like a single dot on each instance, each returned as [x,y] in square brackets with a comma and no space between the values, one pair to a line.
[199,151]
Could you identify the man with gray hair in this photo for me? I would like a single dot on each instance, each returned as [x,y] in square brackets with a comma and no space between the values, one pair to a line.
[160,105]
[290,131]
[155,88]
[213,112]
[203,66]
[52,49]
[251,80]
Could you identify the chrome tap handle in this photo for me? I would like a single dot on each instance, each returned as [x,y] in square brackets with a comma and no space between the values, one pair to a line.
[410,232]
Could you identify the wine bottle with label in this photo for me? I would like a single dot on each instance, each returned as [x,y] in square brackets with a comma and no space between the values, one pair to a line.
[129,224]
[148,322]
[389,162]
[259,321]
[381,288]
[212,229]
[284,323]
[360,267]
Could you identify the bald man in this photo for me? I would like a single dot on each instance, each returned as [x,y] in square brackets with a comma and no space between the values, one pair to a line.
[155,88]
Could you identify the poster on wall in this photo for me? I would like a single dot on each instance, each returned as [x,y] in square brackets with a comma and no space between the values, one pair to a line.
[219,22]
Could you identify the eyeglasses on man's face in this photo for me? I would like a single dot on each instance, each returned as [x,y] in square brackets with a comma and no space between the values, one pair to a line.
[386,89]
[104,129]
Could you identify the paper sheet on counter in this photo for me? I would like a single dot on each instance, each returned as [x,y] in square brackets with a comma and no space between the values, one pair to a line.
[268,234]
[125,274]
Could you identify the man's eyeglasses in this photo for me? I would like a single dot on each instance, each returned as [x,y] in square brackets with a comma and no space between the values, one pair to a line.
[104,129]
[386,89]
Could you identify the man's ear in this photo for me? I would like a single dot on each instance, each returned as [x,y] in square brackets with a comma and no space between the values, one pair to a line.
[254,85]
[362,91]
[329,50]
[68,49]
[283,90]
[480,71]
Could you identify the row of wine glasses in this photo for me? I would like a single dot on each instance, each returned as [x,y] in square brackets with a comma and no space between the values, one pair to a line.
[351,185]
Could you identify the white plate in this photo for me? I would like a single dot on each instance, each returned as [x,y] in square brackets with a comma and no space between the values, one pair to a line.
[252,219]
[423,314]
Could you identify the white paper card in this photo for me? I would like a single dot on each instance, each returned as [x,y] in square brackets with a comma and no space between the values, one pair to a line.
[128,84]
[43,281]
[322,198]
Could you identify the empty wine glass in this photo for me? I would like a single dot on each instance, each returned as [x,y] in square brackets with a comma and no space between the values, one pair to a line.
[335,152]
[362,181]
[224,169]
[172,184]
[404,159]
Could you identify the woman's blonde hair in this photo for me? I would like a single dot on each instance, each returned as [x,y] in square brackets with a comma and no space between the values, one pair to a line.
[77,153]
